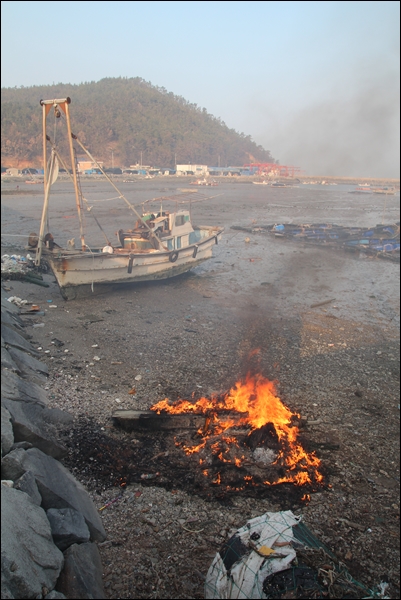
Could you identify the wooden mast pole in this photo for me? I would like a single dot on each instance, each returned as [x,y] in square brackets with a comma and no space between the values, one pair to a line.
[74,173]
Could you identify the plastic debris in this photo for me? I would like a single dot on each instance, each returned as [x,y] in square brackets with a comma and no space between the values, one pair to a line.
[16,266]
[277,556]
[17,301]
[149,475]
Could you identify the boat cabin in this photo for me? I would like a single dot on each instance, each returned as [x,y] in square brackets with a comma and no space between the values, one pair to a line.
[173,229]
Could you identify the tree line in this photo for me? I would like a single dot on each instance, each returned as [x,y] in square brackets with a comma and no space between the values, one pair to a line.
[124,121]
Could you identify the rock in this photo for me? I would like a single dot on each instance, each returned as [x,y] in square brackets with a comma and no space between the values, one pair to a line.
[7,361]
[13,320]
[11,464]
[15,388]
[28,365]
[56,485]
[57,416]
[12,338]
[29,558]
[53,595]
[26,483]
[7,435]
[82,573]
[29,426]
[68,527]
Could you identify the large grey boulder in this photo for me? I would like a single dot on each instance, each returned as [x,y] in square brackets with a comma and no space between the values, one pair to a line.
[16,388]
[58,417]
[29,559]
[9,306]
[13,320]
[28,366]
[68,527]
[13,338]
[27,483]
[7,361]
[7,434]
[11,465]
[57,486]
[30,425]
[82,573]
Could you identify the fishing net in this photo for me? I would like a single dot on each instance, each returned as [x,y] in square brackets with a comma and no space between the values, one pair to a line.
[277,556]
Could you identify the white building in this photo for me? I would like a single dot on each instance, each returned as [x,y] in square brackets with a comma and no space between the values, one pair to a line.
[195,169]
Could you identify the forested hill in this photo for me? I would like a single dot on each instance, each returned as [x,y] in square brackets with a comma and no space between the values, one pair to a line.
[120,118]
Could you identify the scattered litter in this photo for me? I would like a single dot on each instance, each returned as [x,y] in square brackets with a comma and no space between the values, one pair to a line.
[322,303]
[117,400]
[17,301]
[38,325]
[97,358]
[149,475]
[382,241]
[52,305]
[112,501]
[95,345]
[132,391]
[138,378]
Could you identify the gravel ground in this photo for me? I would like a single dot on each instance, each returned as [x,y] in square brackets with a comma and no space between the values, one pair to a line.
[336,364]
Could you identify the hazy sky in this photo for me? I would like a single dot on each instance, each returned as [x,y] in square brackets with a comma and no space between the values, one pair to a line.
[316,83]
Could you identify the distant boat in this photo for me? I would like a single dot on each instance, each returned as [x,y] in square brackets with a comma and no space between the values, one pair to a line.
[362,189]
[204,181]
[264,182]
[389,191]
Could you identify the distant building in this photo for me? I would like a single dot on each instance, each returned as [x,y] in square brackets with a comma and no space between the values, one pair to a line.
[191,169]
[85,166]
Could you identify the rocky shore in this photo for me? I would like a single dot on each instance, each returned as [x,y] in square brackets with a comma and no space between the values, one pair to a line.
[49,523]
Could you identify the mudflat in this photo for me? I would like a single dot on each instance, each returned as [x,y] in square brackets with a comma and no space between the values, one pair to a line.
[322,323]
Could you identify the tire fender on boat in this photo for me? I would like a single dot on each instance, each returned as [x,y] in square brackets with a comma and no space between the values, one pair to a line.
[130,263]
[173,256]
[195,252]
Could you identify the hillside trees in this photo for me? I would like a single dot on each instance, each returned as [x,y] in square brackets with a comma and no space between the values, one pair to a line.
[127,117]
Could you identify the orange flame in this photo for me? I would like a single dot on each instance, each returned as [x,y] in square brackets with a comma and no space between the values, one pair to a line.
[252,403]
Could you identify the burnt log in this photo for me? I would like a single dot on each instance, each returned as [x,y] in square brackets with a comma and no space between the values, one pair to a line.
[131,420]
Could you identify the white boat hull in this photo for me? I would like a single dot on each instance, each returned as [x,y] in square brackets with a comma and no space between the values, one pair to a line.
[78,272]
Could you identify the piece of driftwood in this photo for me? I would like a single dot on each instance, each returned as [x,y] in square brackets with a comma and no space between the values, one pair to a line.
[149,419]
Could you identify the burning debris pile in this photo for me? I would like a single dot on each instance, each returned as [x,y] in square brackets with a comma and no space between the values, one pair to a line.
[248,438]
[245,441]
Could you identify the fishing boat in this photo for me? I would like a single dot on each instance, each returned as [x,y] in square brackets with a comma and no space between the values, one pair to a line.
[388,191]
[204,181]
[362,189]
[159,245]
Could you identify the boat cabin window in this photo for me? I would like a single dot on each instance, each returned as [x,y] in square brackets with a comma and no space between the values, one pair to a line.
[181,220]
[178,242]
[170,244]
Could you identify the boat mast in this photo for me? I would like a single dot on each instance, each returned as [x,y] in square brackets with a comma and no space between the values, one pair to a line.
[74,174]
[64,105]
